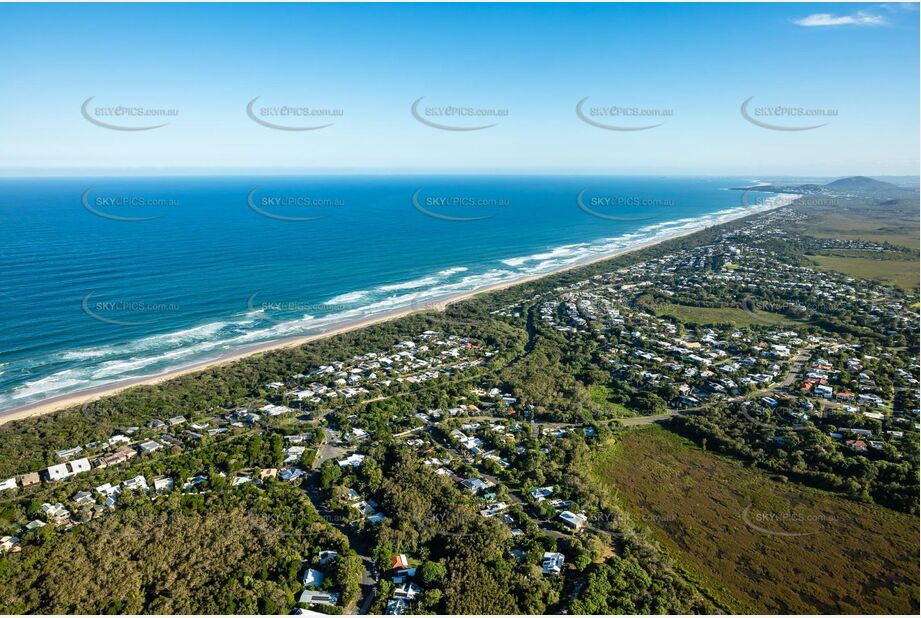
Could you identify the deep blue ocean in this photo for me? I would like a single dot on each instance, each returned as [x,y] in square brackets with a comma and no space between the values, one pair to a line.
[105,279]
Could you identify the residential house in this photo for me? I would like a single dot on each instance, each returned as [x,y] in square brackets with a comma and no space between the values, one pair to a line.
[326,556]
[56,513]
[576,521]
[407,591]
[149,447]
[138,482]
[120,455]
[83,498]
[66,470]
[399,562]
[290,474]
[108,490]
[312,597]
[474,485]
[552,563]
[9,544]
[69,453]
[858,446]
[354,460]
[494,509]
[163,483]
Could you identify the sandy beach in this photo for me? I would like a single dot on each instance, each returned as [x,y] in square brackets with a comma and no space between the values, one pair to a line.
[75,399]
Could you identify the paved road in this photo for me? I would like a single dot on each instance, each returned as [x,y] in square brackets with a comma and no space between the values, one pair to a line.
[645,420]
[788,379]
[356,542]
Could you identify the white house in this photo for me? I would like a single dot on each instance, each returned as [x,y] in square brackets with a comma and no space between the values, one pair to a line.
[353,460]
[138,482]
[66,470]
[407,590]
[823,391]
[9,543]
[163,483]
[576,521]
[553,563]
[108,490]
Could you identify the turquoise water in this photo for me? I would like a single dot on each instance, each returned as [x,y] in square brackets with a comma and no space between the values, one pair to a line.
[106,279]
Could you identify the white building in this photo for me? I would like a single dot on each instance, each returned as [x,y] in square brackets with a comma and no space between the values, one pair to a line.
[67,470]
[553,563]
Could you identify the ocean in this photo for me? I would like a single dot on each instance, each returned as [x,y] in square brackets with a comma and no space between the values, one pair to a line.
[109,279]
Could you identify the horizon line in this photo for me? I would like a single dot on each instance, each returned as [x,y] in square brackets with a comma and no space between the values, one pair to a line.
[210,172]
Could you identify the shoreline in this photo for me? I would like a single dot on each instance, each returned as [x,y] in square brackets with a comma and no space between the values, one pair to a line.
[64,401]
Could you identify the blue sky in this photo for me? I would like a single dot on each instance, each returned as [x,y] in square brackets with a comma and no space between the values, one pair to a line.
[537,61]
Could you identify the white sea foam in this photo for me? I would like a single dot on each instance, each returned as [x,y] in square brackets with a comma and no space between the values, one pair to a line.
[87,354]
[50,384]
[452,271]
[408,285]
[348,298]
[163,352]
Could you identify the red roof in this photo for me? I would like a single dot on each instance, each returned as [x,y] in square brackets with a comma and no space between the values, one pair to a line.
[399,562]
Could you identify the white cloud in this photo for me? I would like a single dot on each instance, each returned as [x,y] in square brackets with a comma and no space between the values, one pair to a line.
[860,18]
[900,6]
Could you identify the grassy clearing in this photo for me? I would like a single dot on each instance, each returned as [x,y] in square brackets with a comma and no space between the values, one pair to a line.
[903,273]
[898,231]
[722,315]
[599,395]
[794,550]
